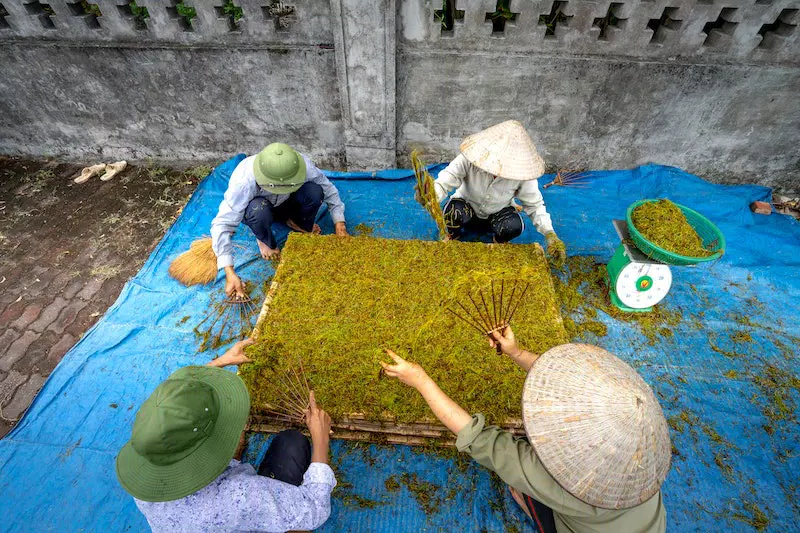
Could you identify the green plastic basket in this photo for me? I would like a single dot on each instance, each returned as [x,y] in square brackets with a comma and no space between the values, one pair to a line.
[712,238]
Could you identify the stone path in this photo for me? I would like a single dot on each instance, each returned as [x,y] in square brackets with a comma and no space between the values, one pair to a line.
[66,250]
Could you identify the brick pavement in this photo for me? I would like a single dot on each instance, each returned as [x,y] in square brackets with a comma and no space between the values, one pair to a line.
[67,250]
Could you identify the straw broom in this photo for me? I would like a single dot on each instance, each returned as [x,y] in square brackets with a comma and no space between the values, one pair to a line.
[197,266]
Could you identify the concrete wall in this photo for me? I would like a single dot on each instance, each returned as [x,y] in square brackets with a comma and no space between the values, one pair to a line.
[168,90]
[709,87]
[724,104]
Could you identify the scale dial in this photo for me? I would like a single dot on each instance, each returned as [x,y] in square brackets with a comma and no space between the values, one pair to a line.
[642,285]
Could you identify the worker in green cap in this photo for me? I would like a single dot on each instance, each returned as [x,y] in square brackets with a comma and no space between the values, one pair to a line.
[182,464]
[278,184]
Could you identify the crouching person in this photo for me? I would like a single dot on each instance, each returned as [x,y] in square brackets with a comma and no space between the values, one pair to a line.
[182,464]
[598,444]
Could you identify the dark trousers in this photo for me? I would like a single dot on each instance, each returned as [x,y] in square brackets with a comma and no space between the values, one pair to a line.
[542,515]
[460,217]
[301,207]
[287,458]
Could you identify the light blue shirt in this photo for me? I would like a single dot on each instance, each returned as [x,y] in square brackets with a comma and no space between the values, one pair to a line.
[240,500]
[242,188]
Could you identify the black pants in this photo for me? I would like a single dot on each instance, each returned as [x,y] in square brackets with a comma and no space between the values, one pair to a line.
[288,457]
[460,217]
[301,207]
[543,519]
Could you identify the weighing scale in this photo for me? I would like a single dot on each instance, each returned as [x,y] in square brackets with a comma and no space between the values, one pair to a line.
[639,276]
[636,282]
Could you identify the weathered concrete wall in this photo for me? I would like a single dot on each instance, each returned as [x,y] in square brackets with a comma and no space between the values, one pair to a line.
[725,122]
[100,103]
[106,87]
[711,88]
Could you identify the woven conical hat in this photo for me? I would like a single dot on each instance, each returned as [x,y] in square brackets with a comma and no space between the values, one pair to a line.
[596,426]
[504,150]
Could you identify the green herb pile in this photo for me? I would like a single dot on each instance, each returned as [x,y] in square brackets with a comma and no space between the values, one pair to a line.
[664,224]
[341,302]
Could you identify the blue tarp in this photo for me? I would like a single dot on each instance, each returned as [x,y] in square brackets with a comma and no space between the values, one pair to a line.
[731,463]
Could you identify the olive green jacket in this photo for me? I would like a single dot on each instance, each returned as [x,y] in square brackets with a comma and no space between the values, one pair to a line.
[513,459]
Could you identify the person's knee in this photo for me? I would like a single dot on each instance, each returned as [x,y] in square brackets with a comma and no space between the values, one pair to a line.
[292,439]
[310,193]
[507,225]
[258,213]
[457,213]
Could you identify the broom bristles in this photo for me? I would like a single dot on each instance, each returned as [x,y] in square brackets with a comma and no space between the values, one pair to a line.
[196,266]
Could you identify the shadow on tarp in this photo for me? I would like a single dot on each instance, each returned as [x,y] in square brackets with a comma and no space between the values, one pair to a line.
[735,435]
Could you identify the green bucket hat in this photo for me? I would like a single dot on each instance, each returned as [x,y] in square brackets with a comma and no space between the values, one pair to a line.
[184,435]
[279,169]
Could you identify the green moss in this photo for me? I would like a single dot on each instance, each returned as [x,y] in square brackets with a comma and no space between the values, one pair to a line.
[339,303]
[722,460]
[424,492]
[755,517]
[425,193]
[391,484]
[664,224]
[741,336]
[184,320]
[363,229]
[779,389]
[731,374]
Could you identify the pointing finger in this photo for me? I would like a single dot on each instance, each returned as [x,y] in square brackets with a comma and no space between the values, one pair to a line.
[312,402]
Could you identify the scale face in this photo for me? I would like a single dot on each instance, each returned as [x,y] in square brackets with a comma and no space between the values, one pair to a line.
[637,282]
[642,285]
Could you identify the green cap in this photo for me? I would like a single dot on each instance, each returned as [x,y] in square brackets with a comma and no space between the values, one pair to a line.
[279,169]
[184,435]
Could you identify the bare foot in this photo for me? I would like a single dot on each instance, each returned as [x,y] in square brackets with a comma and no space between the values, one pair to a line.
[267,252]
[520,499]
[316,230]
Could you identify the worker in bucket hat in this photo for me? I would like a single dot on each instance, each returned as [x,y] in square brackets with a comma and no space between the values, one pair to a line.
[597,447]
[278,184]
[182,463]
[496,166]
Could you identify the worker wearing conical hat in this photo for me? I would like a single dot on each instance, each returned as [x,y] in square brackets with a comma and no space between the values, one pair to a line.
[496,166]
[597,447]
[278,184]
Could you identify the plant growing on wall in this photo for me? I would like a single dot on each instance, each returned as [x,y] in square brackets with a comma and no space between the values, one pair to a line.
[186,11]
[139,14]
[502,11]
[555,17]
[91,9]
[233,11]
[448,15]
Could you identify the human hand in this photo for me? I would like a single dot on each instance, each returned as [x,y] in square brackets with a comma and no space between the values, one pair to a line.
[411,374]
[235,354]
[556,249]
[506,341]
[318,422]
[341,229]
[233,284]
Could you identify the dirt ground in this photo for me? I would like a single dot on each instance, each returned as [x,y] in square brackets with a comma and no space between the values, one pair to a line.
[66,250]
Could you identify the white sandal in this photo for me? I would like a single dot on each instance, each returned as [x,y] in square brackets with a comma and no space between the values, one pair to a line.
[113,169]
[88,172]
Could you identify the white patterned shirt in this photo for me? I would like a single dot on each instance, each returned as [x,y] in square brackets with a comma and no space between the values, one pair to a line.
[489,194]
[240,500]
